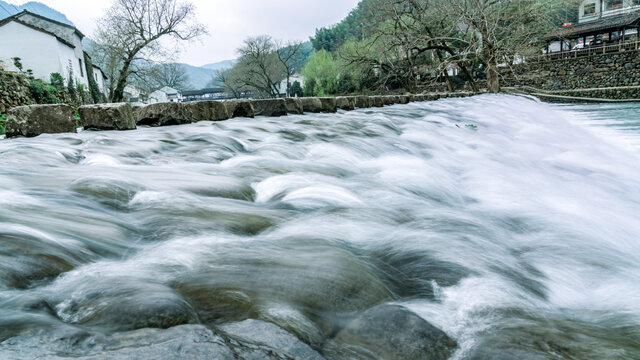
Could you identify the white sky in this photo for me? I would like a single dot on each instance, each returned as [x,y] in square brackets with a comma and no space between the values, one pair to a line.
[229,21]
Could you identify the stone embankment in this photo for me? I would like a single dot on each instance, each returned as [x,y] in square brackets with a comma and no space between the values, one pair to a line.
[34,120]
[613,76]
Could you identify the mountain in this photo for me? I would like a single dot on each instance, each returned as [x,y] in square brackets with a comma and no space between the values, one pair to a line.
[199,77]
[7,10]
[221,65]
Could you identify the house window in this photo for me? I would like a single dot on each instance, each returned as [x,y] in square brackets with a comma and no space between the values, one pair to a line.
[81,72]
[613,5]
[589,9]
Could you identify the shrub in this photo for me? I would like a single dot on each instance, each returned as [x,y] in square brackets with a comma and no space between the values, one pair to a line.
[43,93]
[3,124]
[56,80]
[296,89]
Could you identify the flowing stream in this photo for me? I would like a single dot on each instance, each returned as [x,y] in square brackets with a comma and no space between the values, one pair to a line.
[511,225]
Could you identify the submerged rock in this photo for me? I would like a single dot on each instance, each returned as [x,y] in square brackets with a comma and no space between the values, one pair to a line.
[390,332]
[117,116]
[34,120]
[124,307]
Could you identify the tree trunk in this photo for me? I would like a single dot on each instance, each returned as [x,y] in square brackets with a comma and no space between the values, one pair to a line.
[493,78]
[118,93]
[472,82]
[491,63]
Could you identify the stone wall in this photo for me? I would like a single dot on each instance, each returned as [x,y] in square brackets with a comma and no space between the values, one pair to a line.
[616,70]
[14,91]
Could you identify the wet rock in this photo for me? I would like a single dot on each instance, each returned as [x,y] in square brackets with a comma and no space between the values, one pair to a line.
[34,120]
[28,258]
[327,280]
[294,106]
[239,108]
[377,101]
[329,104]
[390,332]
[404,99]
[117,116]
[311,105]
[122,306]
[346,103]
[207,110]
[112,192]
[415,274]
[363,102]
[180,342]
[279,340]
[270,107]
[163,114]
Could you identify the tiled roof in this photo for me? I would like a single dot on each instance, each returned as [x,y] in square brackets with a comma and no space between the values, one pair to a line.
[606,23]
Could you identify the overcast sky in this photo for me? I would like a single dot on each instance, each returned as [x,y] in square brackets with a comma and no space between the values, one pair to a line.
[229,21]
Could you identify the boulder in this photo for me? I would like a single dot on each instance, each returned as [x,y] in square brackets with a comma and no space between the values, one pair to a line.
[163,114]
[390,332]
[281,341]
[363,102]
[240,108]
[377,101]
[294,106]
[207,110]
[34,120]
[117,116]
[404,99]
[346,103]
[329,104]
[270,107]
[311,105]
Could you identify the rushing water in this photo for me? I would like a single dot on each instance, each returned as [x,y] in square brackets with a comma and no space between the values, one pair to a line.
[510,224]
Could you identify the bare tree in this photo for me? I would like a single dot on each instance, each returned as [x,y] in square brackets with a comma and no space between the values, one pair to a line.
[133,29]
[259,65]
[503,30]
[233,82]
[173,75]
[291,57]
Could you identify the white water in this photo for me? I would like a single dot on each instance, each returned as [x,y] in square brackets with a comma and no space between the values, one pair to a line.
[518,236]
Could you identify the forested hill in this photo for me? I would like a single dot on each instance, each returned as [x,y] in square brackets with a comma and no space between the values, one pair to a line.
[354,25]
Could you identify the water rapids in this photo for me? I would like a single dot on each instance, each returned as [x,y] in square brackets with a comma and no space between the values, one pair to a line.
[509,224]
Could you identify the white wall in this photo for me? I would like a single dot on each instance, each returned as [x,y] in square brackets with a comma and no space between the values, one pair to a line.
[40,52]
[98,77]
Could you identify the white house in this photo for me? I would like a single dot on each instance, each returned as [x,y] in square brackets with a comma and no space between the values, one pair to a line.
[282,86]
[44,46]
[166,94]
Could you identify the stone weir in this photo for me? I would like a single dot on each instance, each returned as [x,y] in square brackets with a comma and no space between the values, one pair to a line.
[34,120]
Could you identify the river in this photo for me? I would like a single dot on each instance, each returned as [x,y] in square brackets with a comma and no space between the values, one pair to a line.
[509,224]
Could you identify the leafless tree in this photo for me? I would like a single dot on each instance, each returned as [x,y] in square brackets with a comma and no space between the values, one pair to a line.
[232,80]
[259,66]
[291,58]
[172,74]
[502,31]
[136,29]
